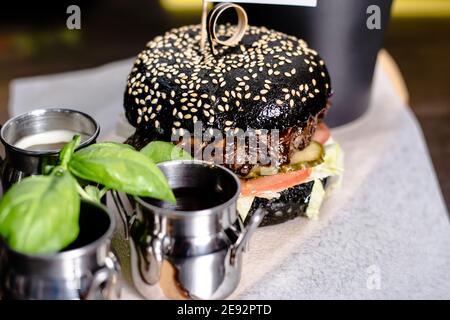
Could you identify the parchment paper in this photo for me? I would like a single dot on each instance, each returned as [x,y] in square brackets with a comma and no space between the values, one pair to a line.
[384,234]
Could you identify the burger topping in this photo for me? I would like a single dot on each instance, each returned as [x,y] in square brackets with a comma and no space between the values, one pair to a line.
[322,133]
[300,157]
[309,157]
[291,141]
[330,170]
[331,165]
[278,182]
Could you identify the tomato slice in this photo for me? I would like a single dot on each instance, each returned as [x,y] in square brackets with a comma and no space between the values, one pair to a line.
[281,181]
[277,182]
[322,133]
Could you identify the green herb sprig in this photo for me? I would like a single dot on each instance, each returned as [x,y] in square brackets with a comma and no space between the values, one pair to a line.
[39,215]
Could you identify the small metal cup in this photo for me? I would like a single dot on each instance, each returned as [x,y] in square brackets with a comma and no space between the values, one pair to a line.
[20,163]
[87,269]
[189,253]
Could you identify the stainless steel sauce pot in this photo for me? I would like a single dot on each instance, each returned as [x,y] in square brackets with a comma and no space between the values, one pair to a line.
[20,163]
[87,269]
[193,254]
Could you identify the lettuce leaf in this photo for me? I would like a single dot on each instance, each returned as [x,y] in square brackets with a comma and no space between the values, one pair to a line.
[315,200]
[333,164]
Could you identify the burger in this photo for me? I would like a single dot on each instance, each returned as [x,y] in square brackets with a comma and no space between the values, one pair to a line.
[271,86]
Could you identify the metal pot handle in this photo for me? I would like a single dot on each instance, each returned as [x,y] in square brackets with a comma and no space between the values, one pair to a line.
[108,277]
[246,234]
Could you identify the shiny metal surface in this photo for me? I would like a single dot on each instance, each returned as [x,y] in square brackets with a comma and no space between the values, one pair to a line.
[20,163]
[188,254]
[88,271]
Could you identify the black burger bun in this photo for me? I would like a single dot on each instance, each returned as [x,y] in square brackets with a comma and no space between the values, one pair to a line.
[292,203]
[270,80]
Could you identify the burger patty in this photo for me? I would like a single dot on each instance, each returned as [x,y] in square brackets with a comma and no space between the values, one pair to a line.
[295,138]
[290,140]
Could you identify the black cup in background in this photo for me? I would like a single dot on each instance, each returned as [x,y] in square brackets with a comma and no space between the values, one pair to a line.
[337,30]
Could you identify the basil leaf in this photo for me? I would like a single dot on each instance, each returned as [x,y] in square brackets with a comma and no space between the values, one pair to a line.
[160,151]
[67,151]
[40,214]
[93,193]
[121,168]
[116,144]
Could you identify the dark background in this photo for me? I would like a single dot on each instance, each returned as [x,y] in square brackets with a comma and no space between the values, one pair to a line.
[34,40]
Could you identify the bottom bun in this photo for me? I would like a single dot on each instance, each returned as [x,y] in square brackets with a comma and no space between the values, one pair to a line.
[293,202]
